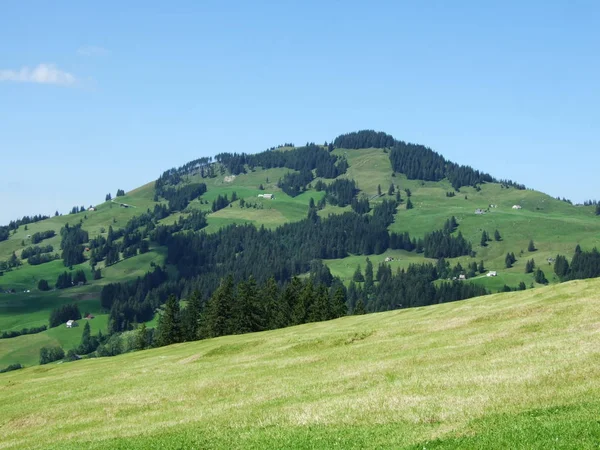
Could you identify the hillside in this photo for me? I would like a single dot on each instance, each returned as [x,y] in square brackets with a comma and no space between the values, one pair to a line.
[556,227]
[515,370]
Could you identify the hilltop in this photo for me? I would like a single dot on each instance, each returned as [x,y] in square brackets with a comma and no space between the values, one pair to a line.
[207,197]
[514,370]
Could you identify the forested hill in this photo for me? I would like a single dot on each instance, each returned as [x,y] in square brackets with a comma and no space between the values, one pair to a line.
[289,235]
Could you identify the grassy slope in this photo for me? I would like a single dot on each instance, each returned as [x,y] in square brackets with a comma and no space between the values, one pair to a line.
[519,370]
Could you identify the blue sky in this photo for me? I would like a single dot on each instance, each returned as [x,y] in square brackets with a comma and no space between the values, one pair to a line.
[95,97]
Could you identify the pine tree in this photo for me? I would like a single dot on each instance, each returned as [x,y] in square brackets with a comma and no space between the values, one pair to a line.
[304,305]
[497,236]
[359,308]
[191,317]
[379,190]
[218,317]
[272,306]
[561,267]
[539,277]
[358,276]
[508,261]
[398,197]
[169,328]
[86,340]
[320,310]
[141,338]
[531,246]
[248,317]
[484,239]
[409,204]
[480,267]
[368,287]
[391,189]
[339,307]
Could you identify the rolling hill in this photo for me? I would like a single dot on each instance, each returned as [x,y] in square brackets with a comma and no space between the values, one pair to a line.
[555,226]
[515,370]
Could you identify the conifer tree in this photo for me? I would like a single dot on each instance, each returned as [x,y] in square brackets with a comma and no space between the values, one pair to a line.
[391,189]
[191,317]
[409,204]
[169,327]
[359,308]
[508,261]
[274,316]
[339,307]
[304,305]
[248,316]
[539,277]
[218,317]
[398,197]
[358,276]
[379,190]
[320,310]
[531,246]
[368,287]
[86,340]
[480,267]
[497,236]
[141,338]
[484,239]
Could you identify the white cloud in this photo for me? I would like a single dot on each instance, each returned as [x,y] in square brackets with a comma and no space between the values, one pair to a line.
[43,73]
[92,51]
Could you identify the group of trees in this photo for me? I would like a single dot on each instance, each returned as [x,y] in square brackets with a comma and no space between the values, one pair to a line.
[11,263]
[72,238]
[66,280]
[442,244]
[417,161]
[421,163]
[180,197]
[38,254]
[407,288]
[64,313]
[38,237]
[222,201]
[13,225]
[584,264]
[341,192]
[364,139]
[51,353]
[22,332]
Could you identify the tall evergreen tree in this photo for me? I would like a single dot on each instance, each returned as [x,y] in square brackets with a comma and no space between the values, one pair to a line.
[169,326]
[359,308]
[531,246]
[248,316]
[484,238]
[409,204]
[339,307]
[321,310]
[141,337]
[368,287]
[219,310]
[540,277]
[391,189]
[191,317]
[379,190]
[358,276]
[86,340]
[274,315]
[497,236]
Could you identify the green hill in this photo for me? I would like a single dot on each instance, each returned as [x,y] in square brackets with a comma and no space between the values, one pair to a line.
[555,226]
[516,370]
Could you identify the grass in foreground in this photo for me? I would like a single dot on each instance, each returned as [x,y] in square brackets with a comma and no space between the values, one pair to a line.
[519,370]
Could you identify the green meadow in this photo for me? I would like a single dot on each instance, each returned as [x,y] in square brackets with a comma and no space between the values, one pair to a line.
[517,370]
